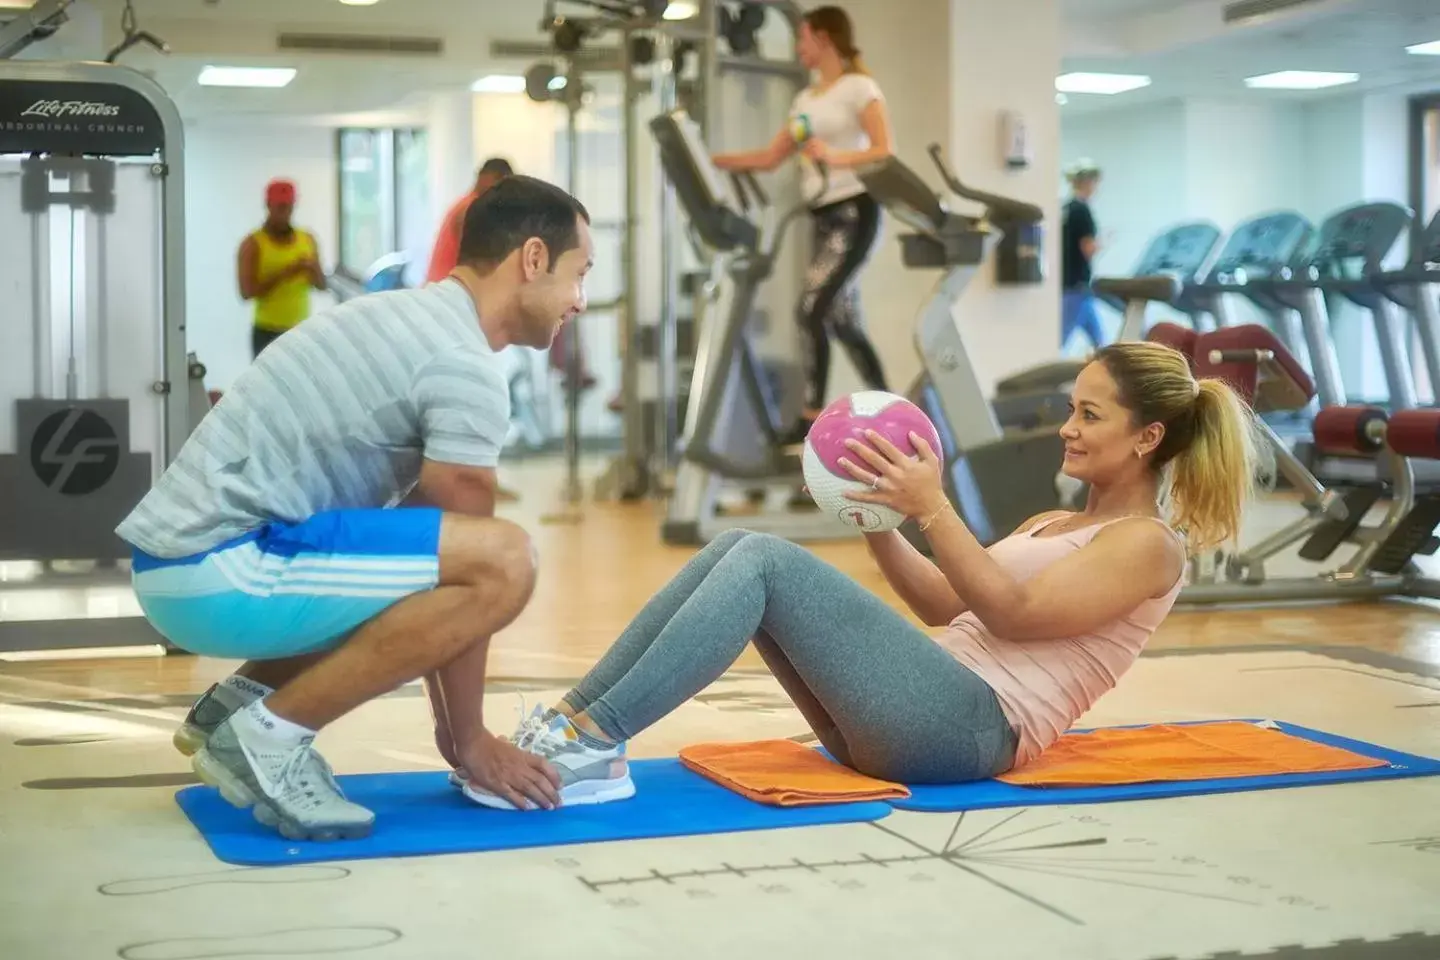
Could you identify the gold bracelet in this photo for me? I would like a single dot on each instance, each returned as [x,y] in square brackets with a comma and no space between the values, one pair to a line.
[928,523]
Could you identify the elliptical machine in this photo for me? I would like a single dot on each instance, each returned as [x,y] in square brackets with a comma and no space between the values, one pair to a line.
[996,480]
[733,427]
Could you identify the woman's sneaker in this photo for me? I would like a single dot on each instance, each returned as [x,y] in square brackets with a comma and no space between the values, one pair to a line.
[292,790]
[588,774]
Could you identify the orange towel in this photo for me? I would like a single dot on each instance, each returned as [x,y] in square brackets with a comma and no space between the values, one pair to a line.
[1208,751]
[783,773]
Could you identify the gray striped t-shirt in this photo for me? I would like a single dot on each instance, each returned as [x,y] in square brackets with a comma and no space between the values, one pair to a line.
[336,414]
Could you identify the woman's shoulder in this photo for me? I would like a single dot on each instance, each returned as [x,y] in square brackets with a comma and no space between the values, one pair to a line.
[862,83]
[847,85]
[1142,529]
[1149,540]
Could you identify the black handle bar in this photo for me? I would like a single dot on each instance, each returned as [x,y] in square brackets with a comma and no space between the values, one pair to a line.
[1256,357]
[1001,208]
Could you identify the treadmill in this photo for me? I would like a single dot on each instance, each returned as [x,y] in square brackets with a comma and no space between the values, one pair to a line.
[1347,259]
[1415,288]
[1261,251]
[1040,395]
[1181,252]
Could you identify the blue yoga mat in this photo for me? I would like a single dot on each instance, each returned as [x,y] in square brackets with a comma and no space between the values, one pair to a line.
[420,813]
[989,794]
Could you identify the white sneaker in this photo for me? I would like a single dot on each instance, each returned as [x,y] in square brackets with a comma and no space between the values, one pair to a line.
[293,791]
[587,775]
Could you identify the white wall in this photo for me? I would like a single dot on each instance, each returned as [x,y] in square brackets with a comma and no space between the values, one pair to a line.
[1004,57]
[227,167]
[1143,154]
[1334,171]
[1242,158]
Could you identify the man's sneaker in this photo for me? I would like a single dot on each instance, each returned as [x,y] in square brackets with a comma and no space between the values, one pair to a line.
[294,792]
[212,709]
[587,774]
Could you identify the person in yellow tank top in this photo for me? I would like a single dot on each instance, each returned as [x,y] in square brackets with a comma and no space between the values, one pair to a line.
[279,265]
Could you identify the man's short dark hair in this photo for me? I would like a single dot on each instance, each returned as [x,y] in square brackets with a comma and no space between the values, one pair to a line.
[514,210]
[498,166]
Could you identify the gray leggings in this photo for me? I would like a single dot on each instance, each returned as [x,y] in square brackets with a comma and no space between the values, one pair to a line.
[883,697]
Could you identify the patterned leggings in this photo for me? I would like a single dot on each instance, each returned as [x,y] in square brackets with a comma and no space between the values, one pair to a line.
[844,234]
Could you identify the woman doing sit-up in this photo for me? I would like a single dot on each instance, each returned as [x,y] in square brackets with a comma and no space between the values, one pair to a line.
[1040,624]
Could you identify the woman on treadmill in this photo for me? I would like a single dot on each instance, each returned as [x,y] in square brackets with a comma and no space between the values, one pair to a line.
[838,123]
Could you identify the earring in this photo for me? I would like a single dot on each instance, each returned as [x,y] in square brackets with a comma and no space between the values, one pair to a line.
[1139,454]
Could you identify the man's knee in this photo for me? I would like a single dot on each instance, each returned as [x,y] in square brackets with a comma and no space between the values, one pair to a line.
[515,561]
[487,554]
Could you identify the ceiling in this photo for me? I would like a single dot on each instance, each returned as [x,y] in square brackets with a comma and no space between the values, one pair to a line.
[1183,45]
[1367,37]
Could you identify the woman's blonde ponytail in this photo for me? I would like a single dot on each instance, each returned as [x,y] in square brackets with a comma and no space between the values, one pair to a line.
[1213,476]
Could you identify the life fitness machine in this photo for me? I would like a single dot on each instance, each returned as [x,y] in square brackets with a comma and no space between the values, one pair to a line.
[97,388]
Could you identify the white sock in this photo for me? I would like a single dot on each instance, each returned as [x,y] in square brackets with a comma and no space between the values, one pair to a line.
[248,690]
[257,723]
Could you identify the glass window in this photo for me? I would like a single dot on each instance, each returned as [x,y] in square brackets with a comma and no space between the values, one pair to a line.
[412,199]
[384,197]
[363,238]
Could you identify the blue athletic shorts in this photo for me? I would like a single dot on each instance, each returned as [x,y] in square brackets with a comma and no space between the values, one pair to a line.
[289,589]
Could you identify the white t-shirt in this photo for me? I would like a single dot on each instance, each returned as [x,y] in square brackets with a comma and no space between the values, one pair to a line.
[834,116]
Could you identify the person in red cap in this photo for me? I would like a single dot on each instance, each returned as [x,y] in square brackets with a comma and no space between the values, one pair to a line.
[279,265]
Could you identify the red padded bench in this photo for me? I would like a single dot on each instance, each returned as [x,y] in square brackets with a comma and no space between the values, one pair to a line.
[1175,336]
[1256,364]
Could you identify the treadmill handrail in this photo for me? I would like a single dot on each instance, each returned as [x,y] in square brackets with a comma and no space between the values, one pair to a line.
[1001,208]
[1153,288]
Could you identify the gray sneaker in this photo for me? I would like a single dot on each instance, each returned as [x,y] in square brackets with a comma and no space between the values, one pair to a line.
[587,775]
[212,709]
[296,792]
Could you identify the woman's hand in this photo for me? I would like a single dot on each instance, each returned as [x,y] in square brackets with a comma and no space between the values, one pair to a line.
[817,150]
[908,485]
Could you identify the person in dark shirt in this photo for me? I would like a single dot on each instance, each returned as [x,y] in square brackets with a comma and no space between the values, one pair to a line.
[1079,244]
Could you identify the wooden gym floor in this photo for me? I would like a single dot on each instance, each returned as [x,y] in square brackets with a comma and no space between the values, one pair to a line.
[100,863]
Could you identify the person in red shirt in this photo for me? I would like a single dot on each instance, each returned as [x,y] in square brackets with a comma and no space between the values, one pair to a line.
[447,248]
[447,244]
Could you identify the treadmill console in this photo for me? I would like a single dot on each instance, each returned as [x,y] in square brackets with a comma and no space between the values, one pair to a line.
[1262,247]
[1355,241]
[1180,251]
[707,199]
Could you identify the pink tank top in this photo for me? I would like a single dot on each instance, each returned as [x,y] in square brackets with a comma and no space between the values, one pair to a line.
[1043,685]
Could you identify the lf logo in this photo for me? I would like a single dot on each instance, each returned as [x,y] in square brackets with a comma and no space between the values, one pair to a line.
[74,452]
[862,518]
